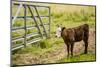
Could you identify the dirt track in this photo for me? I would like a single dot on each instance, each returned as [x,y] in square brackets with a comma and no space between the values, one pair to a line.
[61,52]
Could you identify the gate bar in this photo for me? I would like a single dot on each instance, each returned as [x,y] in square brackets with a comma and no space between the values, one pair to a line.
[49,21]
[30,16]
[32,5]
[16,13]
[25,26]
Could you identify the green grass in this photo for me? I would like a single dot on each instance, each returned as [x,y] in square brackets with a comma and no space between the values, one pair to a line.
[72,16]
[78,58]
[43,48]
[43,45]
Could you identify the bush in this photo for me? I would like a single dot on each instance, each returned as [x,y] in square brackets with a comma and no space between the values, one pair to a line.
[44,44]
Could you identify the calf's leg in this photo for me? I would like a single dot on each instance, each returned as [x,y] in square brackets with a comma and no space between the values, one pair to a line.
[68,45]
[68,49]
[72,46]
[85,39]
[86,44]
[86,47]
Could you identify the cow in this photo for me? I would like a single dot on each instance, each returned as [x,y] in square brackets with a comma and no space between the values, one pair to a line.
[76,34]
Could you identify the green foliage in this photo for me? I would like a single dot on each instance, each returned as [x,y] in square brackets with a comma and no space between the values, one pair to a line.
[29,49]
[43,44]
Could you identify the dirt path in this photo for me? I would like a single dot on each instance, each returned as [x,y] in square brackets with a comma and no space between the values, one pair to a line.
[59,53]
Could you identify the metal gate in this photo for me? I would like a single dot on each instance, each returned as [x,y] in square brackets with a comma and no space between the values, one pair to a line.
[28,24]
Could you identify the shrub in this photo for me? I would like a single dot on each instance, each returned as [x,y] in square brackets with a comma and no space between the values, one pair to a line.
[44,44]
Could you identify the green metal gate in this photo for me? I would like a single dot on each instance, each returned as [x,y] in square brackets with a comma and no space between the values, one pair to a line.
[28,24]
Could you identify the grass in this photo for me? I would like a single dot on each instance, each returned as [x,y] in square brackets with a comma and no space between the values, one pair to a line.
[45,44]
[72,16]
[42,48]
[78,58]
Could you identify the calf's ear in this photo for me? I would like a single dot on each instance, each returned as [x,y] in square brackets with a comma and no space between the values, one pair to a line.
[62,28]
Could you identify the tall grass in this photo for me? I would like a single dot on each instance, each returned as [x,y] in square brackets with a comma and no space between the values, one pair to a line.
[72,15]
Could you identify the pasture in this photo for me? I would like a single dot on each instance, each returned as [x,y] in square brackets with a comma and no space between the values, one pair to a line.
[54,50]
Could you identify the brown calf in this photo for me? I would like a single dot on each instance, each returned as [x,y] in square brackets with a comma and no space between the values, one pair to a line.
[72,35]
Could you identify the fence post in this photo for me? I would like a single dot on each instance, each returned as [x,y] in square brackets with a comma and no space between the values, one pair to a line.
[25,39]
[49,21]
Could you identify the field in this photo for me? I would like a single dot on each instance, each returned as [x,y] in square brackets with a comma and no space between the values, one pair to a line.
[53,50]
